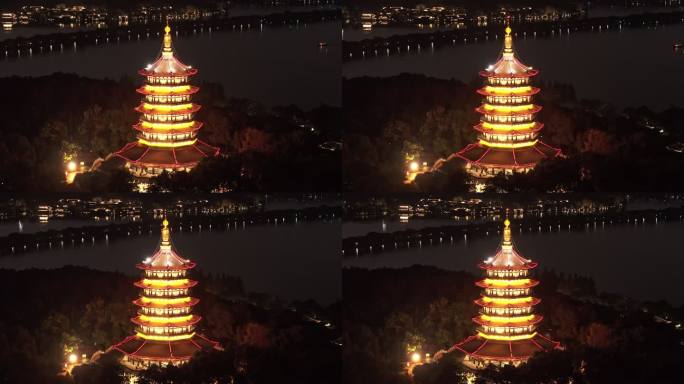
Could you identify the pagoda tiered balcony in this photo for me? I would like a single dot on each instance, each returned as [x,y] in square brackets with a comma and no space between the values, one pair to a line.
[507,302]
[162,303]
[146,267]
[507,321]
[506,110]
[528,73]
[180,322]
[168,109]
[508,91]
[165,284]
[167,90]
[525,128]
[185,73]
[507,284]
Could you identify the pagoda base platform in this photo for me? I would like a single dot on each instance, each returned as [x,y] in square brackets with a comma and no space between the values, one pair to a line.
[486,162]
[144,161]
[481,351]
[140,353]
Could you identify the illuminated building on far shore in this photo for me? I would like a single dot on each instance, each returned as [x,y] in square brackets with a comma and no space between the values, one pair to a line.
[167,131]
[507,325]
[165,324]
[508,138]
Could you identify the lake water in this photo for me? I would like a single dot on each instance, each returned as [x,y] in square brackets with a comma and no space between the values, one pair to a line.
[627,68]
[273,65]
[299,261]
[643,262]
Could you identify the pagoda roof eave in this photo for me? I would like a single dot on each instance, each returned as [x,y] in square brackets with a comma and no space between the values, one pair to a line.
[528,73]
[195,127]
[526,266]
[193,109]
[477,347]
[193,301]
[533,110]
[148,267]
[189,284]
[535,320]
[138,351]
[480,302]
[147,73]
[206,150]
[191,91]
[194,320]
[530,284]
[482,156]
[536,128]
[483,91]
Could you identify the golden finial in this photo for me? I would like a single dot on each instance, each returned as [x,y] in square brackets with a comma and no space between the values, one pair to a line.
[165,233]
[167,37]
[507,230]
[508,42]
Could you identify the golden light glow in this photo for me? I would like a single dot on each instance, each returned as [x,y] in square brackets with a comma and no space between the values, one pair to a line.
[71,166]
[165,338]
[508,127]
[508,90]
[508,145]
[155,301]
[164,144]
[165,283]
[167,89]
[508,108]
[166,107]
[507,338]
[159,319]
[415,357]
[73,358]
[505,319]
[507,283]
[168,126]
[501,301]
[413,166]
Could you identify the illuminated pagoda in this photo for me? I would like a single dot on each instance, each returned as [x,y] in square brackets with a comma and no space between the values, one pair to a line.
[507,325]
[508,138]
[167,131]
[165,324]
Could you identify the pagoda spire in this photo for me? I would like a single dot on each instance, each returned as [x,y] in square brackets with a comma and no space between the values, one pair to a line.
[167,130]
[168,46]
[506,323]
[508,42]
[508,139]
[165,325]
